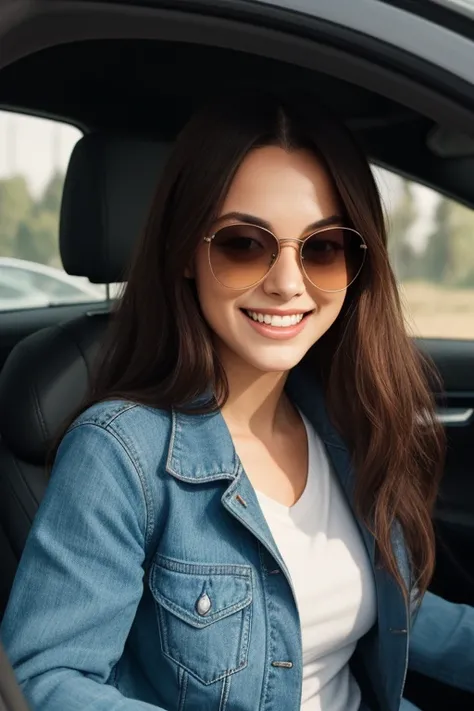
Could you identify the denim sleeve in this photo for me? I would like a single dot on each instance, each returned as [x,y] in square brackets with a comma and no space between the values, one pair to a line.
[442,642]
[80,578]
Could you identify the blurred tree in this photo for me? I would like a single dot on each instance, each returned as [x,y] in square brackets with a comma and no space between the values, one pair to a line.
[437,255]
[15,206]
[51,198]
[37,237]
[462,245]
[40,239]
[403,257]
[29,228]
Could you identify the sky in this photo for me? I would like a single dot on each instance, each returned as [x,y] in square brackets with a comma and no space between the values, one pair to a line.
[36,147]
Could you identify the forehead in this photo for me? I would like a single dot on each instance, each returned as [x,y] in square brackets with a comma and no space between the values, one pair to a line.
[290,190]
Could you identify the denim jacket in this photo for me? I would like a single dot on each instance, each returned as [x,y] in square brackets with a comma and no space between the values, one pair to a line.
[150,579]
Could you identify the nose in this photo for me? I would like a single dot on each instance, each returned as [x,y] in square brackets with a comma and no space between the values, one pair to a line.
[286,279]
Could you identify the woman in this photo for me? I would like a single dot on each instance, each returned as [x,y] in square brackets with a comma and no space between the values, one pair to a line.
[241,518]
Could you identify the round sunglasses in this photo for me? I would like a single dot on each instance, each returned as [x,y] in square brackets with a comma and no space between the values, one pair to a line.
[242,255]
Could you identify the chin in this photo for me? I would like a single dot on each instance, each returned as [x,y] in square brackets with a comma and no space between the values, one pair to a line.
[273,363]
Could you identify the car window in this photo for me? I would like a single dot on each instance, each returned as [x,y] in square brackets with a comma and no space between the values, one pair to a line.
[431,246]
[34,153]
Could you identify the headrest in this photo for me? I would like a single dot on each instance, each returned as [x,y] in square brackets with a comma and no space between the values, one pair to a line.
[108,190]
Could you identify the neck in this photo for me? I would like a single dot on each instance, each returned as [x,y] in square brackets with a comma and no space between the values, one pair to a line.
[257,404]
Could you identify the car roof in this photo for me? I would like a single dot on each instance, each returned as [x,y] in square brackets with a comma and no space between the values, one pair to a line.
[139,85]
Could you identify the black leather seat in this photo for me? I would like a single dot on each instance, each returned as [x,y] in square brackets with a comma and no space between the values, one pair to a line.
[108,189]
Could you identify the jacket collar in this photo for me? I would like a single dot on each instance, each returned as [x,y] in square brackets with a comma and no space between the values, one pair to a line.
[201,447]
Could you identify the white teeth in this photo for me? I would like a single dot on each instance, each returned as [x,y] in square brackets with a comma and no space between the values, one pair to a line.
[275,320]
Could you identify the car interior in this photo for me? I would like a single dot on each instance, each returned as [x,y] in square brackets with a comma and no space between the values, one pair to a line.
[130,93]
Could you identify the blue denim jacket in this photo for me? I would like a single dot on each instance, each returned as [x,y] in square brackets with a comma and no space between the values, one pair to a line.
[150,579]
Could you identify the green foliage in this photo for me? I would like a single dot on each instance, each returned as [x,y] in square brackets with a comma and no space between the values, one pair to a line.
[402,255]
[449,255]
[51,198]
[462,241]
[447,259]
[37,237]
[15,205]
[29,228]
[437,264]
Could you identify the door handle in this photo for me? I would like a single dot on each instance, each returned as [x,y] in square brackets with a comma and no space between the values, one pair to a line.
[454,415]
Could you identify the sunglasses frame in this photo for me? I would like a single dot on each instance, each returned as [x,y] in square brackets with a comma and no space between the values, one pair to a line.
[276,257]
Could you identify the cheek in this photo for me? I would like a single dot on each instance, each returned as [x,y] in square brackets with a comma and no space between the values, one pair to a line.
[218,312]
[329,303]
[329,307]
[213,297]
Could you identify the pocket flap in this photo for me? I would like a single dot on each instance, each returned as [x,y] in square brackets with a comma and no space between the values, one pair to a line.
[200,594]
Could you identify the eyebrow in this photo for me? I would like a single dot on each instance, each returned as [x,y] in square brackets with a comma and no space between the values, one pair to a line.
[259,222]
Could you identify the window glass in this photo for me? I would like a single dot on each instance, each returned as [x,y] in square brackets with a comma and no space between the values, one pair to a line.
[34,153]
[431,245]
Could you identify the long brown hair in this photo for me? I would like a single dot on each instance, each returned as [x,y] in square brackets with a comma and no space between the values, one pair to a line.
[159,351]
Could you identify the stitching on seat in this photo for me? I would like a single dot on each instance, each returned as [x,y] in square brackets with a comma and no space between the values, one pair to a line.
[41,420]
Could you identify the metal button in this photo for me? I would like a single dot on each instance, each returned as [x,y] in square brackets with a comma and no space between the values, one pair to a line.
[203,605]
[284,665]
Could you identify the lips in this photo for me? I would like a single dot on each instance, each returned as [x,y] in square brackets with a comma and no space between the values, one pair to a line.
[275,320]
[280,326]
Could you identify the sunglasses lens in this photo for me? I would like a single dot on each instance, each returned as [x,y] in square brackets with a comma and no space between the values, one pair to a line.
[333,258]
[241,255]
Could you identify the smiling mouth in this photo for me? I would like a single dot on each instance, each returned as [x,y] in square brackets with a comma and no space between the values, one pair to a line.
[276,320]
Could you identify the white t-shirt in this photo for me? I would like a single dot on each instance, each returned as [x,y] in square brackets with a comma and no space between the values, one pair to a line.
[321,545]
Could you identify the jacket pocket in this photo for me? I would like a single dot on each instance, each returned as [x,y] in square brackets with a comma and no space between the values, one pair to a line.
[204,614]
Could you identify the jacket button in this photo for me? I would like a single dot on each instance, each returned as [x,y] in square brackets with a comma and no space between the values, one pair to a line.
[203,605]
[283,665]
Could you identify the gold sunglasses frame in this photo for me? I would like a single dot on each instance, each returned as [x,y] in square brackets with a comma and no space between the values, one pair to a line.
[276,257]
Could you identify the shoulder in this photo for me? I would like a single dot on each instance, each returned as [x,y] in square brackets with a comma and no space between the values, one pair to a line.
[110,414]
[128,421]
[142,433]
[117,449]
